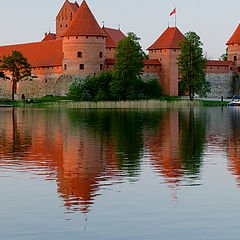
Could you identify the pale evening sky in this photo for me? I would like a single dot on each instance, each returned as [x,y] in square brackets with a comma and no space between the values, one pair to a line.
[214,21]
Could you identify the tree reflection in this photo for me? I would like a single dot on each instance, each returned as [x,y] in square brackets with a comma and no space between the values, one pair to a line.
[192,140]
[14,142]
[124,128]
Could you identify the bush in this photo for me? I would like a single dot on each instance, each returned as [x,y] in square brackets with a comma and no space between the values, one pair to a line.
[152,89]
[107,86]
[78,90]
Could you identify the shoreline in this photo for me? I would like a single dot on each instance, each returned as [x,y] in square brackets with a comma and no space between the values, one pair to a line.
[133,104]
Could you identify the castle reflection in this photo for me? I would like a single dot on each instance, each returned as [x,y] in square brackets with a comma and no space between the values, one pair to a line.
[87,151]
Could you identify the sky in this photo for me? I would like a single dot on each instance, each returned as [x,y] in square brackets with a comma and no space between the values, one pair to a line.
[213,20]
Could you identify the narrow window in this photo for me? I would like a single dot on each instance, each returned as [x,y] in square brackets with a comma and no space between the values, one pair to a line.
[60,25]
[86,37]
[79,54]
[81,66]
[66,25]
[65,66]
[77,37]
[235,58]
[101,55]
[101,66]
[238,69]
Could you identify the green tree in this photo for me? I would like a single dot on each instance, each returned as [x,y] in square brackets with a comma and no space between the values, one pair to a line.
[128,68]
[192,65]
[18,67]
[224,57]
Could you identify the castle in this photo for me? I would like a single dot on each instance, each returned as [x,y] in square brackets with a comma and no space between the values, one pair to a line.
[81,47]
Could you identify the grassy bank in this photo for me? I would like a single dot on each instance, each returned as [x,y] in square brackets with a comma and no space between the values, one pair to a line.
[65,103]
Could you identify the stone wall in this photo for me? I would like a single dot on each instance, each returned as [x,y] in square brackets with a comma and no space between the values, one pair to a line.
[221,85]
[149,76]
[37,88]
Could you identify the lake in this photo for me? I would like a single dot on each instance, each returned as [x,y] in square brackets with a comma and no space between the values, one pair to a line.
[120,174]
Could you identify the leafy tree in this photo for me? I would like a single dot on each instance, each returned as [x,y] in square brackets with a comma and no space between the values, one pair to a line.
[191,66]
[224,57]
[128,68]
[18,67]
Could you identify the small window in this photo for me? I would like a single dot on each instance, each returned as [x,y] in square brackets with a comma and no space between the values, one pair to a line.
[79,54]
[100,55]
[81,66]
[238,69]
[174,50]
[65,66]
[86,37]
[60,26]
[147,66]
[77,37]
[66,25]
[101,66]
[235,58]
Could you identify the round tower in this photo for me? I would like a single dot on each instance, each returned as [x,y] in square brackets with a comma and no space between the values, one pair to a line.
[83,45]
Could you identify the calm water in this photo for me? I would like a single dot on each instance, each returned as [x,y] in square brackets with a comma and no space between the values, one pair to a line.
[106,175]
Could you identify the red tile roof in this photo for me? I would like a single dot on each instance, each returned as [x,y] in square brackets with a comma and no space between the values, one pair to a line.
[168,40]
[84,23]
[152,62]
[111,61]
[235,37]
[49,36]
[113,37]
[218,63]
[39,54]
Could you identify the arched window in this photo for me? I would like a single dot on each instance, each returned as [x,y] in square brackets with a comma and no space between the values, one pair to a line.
[65,66]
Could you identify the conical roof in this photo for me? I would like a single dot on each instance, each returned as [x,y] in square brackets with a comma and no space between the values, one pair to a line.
[84,23]
[168,40]
[235,37]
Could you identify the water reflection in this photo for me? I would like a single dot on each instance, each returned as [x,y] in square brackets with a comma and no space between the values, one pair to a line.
[234,145]
[88,151]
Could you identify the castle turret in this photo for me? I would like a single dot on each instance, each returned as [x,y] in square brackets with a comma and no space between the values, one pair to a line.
[83,44]
[166,50]
[65,17]
[234,50]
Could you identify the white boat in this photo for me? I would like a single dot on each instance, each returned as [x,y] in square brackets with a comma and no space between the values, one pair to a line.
[235,101]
